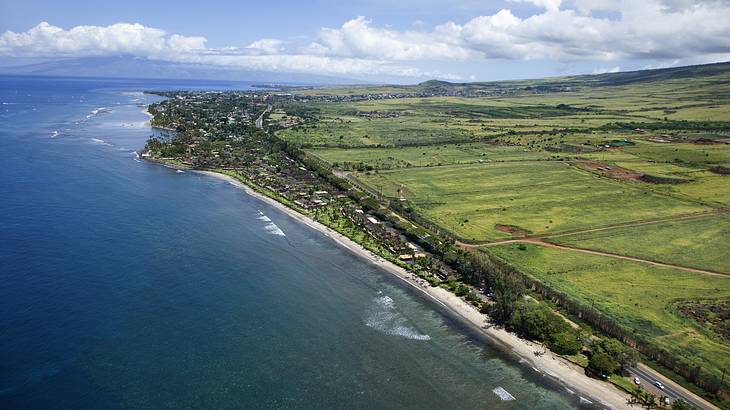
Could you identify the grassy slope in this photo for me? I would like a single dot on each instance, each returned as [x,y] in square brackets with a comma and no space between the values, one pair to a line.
[691,242]
[541,197]
[432,155]
[639,296]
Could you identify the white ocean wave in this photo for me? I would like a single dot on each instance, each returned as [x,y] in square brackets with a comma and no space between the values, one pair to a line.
[503,394]
[270,226]
[97,111]
[100,142]
[273,229]
[384,317]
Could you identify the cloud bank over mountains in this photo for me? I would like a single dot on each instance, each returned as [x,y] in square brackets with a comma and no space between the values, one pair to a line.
[600,31]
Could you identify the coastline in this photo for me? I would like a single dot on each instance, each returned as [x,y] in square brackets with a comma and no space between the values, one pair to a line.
[569,375]
[149,115]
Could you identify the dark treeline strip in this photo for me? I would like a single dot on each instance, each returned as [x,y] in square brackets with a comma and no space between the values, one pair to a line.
[671,125]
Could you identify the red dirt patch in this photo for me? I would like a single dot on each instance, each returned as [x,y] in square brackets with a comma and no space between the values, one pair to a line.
[512,230]
[609,171]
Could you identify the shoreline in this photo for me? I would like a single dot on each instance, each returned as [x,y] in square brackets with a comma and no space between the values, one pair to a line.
[149,115]
[569,375]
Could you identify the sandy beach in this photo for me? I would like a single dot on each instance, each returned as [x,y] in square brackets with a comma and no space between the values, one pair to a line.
[550,365]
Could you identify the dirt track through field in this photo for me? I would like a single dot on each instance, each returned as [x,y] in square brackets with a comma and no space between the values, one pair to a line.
[541,241]
[640,223]
[624,257]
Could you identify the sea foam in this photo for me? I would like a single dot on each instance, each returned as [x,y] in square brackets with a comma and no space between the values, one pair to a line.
[384,317]
[270,226]
[97,111]
[503,394]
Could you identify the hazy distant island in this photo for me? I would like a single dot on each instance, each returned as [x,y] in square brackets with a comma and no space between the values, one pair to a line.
[582,221]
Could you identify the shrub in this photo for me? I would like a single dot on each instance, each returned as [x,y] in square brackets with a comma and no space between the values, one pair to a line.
[602,363]
[565,343]
[621,354]
[536,321]
[461,290]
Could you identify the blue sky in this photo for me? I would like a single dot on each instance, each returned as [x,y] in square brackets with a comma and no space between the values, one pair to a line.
[228,22]
[377,40]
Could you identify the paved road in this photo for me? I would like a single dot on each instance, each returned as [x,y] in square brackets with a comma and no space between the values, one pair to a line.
[648,377]
[260,119]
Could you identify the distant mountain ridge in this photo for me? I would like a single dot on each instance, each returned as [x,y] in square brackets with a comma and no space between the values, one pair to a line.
[142,68]
[606,79]
[131,67]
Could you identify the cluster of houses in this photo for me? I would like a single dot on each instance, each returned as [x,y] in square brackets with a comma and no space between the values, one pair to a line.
[379,114]
[205,139]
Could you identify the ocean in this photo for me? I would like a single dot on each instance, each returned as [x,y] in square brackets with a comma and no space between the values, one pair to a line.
[126,284]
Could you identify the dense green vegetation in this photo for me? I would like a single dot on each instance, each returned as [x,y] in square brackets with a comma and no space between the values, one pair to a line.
[535,321]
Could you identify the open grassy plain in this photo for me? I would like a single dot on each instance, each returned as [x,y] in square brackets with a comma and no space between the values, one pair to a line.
[426,156]
[490,162]
[695,242]
[538,198]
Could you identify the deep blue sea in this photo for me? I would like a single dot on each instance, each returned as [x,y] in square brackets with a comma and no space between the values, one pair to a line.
[126,284]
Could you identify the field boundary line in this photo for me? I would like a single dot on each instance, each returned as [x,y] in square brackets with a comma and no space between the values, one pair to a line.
[640,223]
[548,236]
[539,242]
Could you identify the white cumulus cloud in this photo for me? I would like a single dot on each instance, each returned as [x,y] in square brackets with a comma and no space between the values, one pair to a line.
[46,40]
[607,32]
[649,29]
[552,5]
[267,46]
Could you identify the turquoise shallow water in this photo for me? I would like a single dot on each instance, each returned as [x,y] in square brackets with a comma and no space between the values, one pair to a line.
[125,284]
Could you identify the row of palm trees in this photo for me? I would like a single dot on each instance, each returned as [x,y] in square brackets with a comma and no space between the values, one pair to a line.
[649,400]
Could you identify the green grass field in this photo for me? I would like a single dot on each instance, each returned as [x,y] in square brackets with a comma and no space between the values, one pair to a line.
[691,242]
[508,156]
[639,296]
[683,154]
[540,197]
[429,155]
[707,186]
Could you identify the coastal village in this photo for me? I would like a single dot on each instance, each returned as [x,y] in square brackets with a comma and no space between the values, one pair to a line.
[217,130]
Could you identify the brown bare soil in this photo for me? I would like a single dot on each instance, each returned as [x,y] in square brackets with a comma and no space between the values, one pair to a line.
[512,230]
[608,171]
